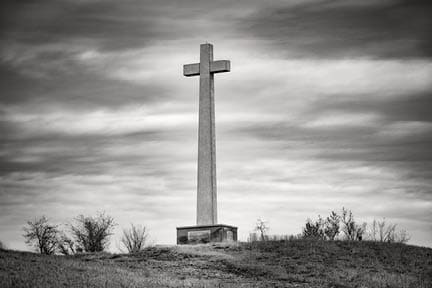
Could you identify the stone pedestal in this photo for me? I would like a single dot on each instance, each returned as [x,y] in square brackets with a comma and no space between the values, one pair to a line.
[206,234]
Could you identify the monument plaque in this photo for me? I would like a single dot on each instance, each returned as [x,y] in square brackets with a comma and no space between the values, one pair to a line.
[200,236]
[206,188]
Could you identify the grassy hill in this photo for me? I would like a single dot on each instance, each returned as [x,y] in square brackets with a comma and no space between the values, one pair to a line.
[296,263]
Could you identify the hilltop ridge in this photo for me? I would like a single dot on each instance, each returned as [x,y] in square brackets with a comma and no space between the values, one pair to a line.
[297,263]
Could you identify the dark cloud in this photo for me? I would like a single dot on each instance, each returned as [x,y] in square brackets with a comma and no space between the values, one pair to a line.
[42,42]
[382,29]
[75,88]
[109,25]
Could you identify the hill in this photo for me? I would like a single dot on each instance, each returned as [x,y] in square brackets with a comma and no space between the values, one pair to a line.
[297,263]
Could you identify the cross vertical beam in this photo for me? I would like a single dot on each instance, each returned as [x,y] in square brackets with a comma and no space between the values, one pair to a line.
[207,193]
[206,188]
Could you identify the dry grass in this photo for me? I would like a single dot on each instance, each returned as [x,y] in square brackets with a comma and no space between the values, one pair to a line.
[295,263]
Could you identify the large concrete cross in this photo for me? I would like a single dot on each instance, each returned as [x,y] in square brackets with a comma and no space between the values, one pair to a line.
[206,193]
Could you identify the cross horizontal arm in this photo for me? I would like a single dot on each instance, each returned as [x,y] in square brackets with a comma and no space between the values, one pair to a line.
[215,67]
[220,66]
[191,69]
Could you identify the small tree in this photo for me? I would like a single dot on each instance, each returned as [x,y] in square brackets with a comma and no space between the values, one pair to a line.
[42,235]
[261,227]
[92,233]
[314,230]
[2,246]
[134,238]
[331,229]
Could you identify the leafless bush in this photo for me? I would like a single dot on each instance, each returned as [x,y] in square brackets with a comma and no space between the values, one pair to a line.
[351,229]
[92,233]
[2,246]
[134,238]
[42,235]
[386,232]
[402,236]
[331,227]
[261,227]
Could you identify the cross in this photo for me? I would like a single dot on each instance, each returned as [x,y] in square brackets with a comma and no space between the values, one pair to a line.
[206,190]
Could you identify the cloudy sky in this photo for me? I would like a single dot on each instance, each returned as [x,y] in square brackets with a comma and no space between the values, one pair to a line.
[328,104]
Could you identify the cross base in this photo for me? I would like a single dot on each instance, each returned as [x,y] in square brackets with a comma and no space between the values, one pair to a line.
[206,234]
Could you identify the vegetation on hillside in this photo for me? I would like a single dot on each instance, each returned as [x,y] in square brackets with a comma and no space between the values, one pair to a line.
[92,233]
[330,228]
[86,234]
[336,227]
[328,253]
[296,263]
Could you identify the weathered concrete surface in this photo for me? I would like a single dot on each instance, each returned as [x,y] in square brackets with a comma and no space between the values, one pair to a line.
[206,190]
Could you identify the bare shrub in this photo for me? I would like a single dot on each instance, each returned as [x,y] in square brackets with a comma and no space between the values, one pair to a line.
[92,233]
[2,246]
[261,227]
[351,229]
[314,229]
[134,238]
[42,235]
[385,231]
[402,237]
[332,226]
[382,231]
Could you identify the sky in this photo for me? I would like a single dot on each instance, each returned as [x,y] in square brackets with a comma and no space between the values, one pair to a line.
[327,105]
